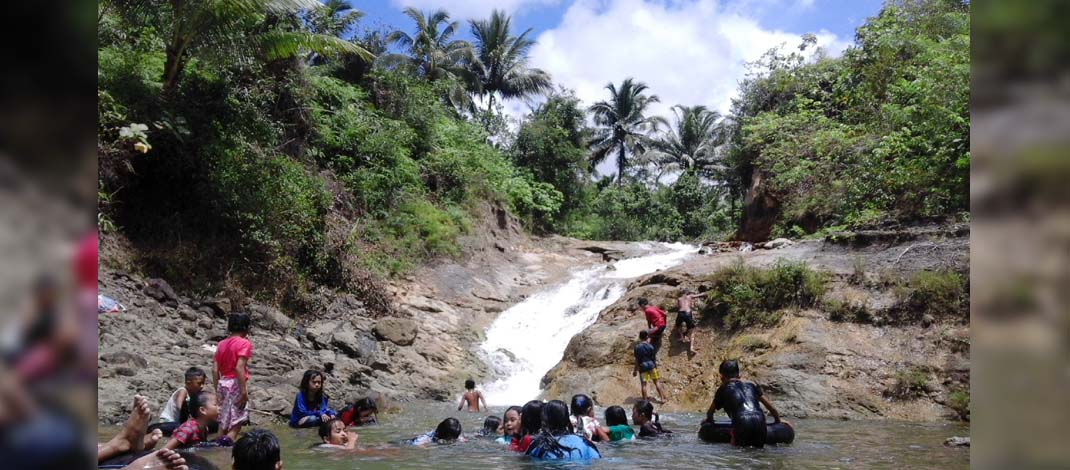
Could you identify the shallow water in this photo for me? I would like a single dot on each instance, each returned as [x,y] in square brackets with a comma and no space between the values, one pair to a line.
[818,444]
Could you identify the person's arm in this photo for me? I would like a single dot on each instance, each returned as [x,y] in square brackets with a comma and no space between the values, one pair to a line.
[635,369]
[482,400]
[601,434]
[240,371]
[215,375]
[327,410]
[460,405]
[352,443]
[772,409]
[172,444]
[299,410]
[180,398]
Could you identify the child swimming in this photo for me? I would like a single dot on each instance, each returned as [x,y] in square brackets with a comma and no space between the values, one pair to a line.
[510,425]
[617,420]
[333,434]
[449,430]
[360,413]
[557,440]
[491,425]
[583,420]
[310,407]
[530,425]
[643,415]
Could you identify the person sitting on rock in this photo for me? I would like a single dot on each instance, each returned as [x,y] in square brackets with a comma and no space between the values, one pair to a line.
[333,434]
[740,398]
[617,420]
[204,410]
[646,365]
[310,406]
[448,431]
[472,396]
[655,321]
[176,410]
[685,321]
[360,413]
[649,422]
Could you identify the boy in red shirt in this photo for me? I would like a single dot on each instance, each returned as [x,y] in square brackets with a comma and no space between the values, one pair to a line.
[231,375]
[655,320]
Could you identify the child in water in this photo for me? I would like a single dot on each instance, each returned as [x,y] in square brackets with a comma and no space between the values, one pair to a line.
[491,425]
[510,425]
[231,375]
[617,420]
[176,410]
[310,407]
[204,410]
[643,415]
[257,450]
[449,430]
[530,425]
[557,440]
[360,413]
[583,420]
[472,396]
[333,434]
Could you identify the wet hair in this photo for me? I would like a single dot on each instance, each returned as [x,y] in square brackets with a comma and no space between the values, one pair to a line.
[643,335]
[581,404]
[258,449]
[646,408]
[643,302]
[448,430]
[194,373]
[555,423]
[729,368]
[325,427]
[365,403]
[312,400]
[469,384]
[491,425]
[519,412]
[238,322]
[531,418]
[616,415]
[197,400]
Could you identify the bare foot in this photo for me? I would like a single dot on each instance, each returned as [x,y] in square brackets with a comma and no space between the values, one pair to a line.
[132,437]
[162,458]
[152,438]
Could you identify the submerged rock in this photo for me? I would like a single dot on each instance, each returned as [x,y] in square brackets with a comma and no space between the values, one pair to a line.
[956,441]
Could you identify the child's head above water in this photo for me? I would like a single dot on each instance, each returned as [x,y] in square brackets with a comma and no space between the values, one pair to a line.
[203,406]
[531,418]
[555,417]
[195,378]
[491,425]
[582,405]
[238,323]
[257,450]
[729,369]
[643,412]
[616,415]
[448,430]
[333,432]
[469,384]
[511,421]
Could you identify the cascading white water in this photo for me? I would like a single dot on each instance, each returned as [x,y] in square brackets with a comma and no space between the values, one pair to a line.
[529,339]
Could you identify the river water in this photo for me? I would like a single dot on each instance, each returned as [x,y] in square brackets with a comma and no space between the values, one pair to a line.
[819,444]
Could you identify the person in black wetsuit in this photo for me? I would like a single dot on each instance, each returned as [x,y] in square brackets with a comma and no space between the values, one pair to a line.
[739,399]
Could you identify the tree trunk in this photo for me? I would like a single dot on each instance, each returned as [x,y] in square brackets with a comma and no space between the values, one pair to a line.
[620,167]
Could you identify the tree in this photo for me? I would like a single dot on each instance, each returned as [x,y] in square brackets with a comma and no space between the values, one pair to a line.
[690,144]
[334,18]
[189,27]
[435,54]
[623,126]
[499,65]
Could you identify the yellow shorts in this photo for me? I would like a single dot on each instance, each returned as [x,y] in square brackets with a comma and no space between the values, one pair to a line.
[648,376]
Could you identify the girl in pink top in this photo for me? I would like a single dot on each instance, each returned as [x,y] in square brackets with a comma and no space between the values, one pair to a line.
[232,375]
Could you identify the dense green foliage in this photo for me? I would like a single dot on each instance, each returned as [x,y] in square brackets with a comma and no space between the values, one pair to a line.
[745,295]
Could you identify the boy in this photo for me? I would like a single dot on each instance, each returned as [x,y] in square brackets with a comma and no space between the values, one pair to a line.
[646,365]
[655,320]
[333,434]
[257,450]
[740,400]
[204,410]
[231,374]
[685,318]
[176,410]
[473,397]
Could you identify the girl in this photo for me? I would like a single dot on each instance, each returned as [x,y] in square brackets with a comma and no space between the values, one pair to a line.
[310,407]
[510,425]
[231,376]
[491,426]
[333,434]
[617,420]
[643,415]
[362,412]
[557,440]
[530,424]
[449,430]
[583,420]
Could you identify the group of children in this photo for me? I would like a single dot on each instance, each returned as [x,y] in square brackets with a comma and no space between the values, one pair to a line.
[646,363]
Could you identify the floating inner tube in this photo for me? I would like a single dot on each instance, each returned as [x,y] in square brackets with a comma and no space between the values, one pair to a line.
[721,433]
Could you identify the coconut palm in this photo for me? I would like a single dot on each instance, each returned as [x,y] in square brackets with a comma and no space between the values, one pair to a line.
[194,26]
[622,126]
[499,65]
[334,18]
[434,52]
[689,145]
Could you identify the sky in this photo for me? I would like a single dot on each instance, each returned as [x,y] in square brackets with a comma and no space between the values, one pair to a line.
[690,52]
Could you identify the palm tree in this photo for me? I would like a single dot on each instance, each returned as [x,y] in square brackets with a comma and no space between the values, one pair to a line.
[622,125]
[434,53]
[334,18]
[499,66]
[192,26]
[690,144]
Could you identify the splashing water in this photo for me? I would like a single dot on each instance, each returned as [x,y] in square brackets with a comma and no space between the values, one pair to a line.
[529,339]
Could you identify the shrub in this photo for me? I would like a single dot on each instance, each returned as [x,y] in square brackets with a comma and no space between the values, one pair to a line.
[752,343]
[942,294]
[960,402]
[909,384]
[752,296]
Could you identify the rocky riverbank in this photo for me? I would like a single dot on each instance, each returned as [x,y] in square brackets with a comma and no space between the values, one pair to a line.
[877,360]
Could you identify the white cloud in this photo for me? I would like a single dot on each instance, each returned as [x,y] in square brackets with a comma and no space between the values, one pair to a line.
[467,9]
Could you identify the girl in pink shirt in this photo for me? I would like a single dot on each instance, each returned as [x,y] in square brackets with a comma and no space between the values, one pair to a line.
[232,375]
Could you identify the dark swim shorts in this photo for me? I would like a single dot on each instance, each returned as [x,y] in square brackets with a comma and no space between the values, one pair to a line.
[685,318]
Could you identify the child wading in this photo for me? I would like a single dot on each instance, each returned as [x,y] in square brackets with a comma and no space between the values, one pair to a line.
[685,320]
[646,365]
[557,440]
[472,396]
[231,375]
[510,425]
[740,399]
[530,425]
[643,415]
[310,407]
[333,434]
[617,420]
[583,420]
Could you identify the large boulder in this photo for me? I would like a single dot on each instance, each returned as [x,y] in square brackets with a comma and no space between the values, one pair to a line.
[400,331]
[160,290]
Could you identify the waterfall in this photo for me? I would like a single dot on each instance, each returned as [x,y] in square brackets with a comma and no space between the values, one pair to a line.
[529,339]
